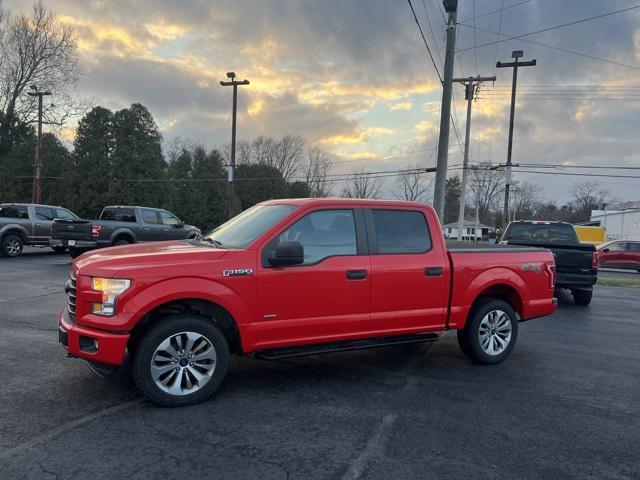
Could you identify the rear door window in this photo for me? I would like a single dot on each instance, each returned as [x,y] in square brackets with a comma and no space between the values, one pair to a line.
[119,214]
[401,231]
[14,211]
[45,213]
[633,247]
[66,214]
[150,217]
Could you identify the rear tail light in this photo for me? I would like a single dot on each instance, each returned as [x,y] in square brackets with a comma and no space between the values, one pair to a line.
[551,270]
[595,260]
[95,230]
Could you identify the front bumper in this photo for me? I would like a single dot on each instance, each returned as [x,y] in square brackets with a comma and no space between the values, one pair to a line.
[55,242]
[91,344]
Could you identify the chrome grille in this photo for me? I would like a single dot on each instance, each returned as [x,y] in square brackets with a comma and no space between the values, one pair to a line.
[70,290]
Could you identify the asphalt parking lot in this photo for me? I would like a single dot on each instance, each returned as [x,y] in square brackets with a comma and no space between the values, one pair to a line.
[566,404]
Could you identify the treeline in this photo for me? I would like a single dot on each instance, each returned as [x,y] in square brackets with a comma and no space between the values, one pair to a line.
[485,197]
[117,158]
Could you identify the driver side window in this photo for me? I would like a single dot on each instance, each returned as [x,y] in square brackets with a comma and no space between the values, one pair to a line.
[323,234]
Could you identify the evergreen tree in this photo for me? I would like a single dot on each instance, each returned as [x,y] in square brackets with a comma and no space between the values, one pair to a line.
[56,168]
[137,158]
[180,189]
[91,182]
[16,166]
[452,199]
[209,198]
[257,183]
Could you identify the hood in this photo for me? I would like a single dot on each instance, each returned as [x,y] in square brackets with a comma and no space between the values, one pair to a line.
[110,261]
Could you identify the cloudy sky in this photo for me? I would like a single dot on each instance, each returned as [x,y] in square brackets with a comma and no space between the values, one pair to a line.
[354,77]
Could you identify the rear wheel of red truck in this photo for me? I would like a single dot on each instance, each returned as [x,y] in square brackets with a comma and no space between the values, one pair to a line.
[490,333]
[181,360]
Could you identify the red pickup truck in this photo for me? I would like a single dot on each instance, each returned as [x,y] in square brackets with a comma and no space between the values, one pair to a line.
[296,277]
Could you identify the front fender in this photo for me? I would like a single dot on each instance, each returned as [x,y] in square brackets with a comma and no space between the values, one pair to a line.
[463,297]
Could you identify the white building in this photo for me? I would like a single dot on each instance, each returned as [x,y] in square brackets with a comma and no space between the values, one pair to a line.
[620,224]
[470,231]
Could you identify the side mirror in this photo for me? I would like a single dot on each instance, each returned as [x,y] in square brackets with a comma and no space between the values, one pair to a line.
[605,250]
[287,253]
[180,224]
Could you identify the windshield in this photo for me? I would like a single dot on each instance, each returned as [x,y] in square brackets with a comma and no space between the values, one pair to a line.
[243,229]
[541,233]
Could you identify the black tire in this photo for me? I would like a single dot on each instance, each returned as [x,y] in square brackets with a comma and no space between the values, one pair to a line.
[169,327]
[11,245]
[582,297]
[469,336]
[76,252]
[59,249]
[121,241]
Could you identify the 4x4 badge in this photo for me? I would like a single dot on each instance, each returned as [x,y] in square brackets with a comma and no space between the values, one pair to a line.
[238,272]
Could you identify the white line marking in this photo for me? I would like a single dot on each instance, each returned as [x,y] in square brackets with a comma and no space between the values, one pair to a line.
[374,446]
[67,426]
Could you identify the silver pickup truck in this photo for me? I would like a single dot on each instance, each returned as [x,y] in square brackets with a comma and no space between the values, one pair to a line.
[119,225]
[28,224]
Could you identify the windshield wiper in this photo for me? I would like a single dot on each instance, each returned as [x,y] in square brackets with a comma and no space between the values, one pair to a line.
[217,243]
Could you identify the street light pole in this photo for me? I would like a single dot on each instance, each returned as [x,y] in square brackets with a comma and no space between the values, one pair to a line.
[37,185]
[232,166]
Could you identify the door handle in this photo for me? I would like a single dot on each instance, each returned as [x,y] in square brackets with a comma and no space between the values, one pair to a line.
[147,228]
[356,274]
[433,271]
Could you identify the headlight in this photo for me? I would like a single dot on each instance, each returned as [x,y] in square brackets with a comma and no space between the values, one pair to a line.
[111,289]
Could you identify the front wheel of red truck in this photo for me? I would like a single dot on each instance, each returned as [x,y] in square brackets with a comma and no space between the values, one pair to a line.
[181,360]
[490,333]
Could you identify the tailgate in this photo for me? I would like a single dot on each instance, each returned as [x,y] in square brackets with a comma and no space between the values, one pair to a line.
[71,229]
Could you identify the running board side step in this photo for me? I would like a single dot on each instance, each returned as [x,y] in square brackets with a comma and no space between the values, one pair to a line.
[322,348]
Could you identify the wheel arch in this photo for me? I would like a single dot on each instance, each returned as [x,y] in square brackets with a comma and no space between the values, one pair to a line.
[123,233]
[198,306]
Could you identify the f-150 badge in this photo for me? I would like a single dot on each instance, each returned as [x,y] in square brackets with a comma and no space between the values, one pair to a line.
[238,272]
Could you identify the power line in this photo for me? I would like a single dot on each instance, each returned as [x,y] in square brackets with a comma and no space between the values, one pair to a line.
[546,45]
[499,10]
[603,175]
[425,41]
[435,40]
[555,27]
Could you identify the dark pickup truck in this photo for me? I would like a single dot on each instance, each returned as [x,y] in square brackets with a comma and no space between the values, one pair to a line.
[119,225]
[576,263]
[28,224]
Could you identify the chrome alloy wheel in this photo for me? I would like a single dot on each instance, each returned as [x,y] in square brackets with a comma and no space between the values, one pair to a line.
[495,332]
[12,247]
[183,363]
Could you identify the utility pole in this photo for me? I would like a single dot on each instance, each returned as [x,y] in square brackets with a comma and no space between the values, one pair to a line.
[470,86]
[232,166]
[516,54]
[37,185]
[451,7]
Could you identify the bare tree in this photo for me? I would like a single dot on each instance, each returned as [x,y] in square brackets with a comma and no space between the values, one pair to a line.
[362,185]
[290,151]
[526,200]
[413,186]
[316,172]
[588,196]
[35,49]
[486,188]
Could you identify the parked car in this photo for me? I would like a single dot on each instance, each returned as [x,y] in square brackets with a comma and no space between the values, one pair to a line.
[576,263]
[28,224]
[620,254]
[296,277]
[119,225]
